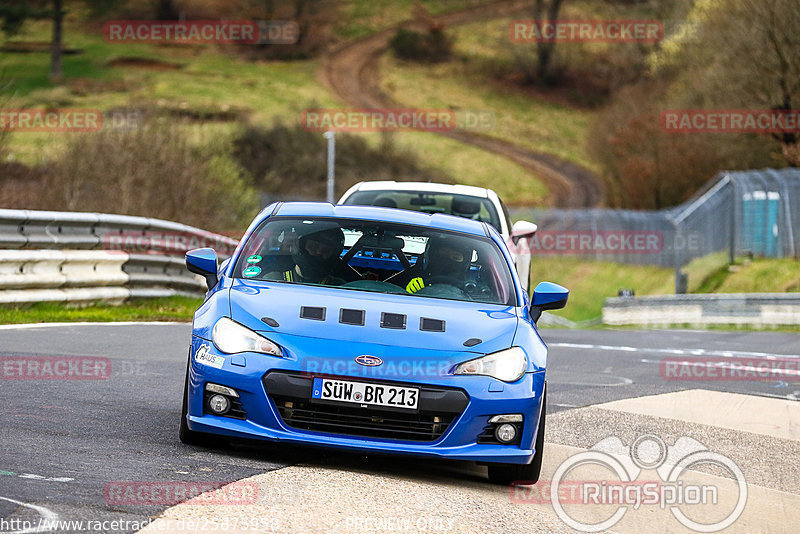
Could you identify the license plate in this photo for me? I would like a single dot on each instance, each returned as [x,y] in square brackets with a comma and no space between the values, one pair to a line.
[365,394]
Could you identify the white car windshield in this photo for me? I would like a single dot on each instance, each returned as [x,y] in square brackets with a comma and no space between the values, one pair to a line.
[469,207]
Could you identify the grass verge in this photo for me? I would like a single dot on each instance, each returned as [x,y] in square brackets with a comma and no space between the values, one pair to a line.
[178,309]
[591,282]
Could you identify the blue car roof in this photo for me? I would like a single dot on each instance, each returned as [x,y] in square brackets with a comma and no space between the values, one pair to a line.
[436,220]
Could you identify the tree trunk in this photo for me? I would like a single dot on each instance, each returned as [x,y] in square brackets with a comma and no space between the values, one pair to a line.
[544,50]
[55,56]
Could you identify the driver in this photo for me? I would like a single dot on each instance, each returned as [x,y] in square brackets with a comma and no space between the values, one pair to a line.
[316,257]
[445,257]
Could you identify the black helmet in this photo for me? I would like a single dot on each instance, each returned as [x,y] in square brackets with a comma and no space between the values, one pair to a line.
[318,249]
[447,255]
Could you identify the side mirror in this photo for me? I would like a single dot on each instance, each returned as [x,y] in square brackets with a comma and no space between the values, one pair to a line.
[547,296]
[203,261]
[522,229]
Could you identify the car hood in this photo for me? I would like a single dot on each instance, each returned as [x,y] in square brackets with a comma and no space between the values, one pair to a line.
[251,301]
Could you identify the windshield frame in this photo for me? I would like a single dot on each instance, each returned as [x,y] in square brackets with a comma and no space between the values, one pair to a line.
[513,300]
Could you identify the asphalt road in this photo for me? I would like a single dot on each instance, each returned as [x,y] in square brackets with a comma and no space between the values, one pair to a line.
[64,441]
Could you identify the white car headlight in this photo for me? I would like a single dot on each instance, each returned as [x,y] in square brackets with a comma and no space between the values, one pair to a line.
[507,365]
[231,337]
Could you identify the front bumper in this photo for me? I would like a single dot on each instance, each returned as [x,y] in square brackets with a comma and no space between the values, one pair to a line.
[265,384]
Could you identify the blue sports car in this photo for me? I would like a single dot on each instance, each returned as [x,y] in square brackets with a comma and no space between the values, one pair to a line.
[371,329]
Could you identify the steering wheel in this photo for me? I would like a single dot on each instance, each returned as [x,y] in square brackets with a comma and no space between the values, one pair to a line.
[446,282]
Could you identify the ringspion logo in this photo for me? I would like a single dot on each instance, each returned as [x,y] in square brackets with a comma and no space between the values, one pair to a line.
[625,489]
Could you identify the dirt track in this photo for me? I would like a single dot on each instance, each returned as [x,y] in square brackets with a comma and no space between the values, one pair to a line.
[352,72]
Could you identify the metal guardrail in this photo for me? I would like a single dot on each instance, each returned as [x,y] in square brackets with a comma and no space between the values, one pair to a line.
[83,257]
[763,310]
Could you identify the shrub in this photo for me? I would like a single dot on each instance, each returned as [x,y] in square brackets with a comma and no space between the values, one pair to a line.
[431,47]
[151,171]
[290,161]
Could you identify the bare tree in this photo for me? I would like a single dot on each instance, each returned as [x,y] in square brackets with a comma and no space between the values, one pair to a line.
[537,60]
[739,54]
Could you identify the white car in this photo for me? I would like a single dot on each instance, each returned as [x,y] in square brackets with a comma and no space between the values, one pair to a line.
[466,201]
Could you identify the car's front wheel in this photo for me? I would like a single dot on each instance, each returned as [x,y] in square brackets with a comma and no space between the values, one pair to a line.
[507,474]
[187,435]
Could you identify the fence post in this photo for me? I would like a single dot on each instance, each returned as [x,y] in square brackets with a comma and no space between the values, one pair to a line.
[330,136]
[734,194]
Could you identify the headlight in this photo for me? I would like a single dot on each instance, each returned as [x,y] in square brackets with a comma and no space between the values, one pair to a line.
[507,365]
[231,337]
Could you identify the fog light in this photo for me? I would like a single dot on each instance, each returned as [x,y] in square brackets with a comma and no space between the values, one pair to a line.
[219,404]
[505,433]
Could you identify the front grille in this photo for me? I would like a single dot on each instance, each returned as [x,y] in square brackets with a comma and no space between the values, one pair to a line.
[438,408]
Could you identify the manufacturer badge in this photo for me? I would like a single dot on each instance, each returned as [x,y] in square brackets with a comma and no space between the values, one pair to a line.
[369,361]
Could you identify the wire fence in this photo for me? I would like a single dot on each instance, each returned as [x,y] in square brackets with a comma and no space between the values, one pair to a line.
[741,213]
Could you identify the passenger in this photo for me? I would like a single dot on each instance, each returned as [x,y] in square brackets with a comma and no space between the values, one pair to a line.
[316,258]
[446,260]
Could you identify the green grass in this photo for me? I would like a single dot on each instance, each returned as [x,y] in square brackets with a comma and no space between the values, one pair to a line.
[161,309]
[474,166]
[363,17]
[520,117]
[754,276]
[210,80]
[700,270]
[591,282]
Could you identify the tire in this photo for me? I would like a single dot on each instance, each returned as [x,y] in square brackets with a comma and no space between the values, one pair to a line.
[186,435]
[507,474]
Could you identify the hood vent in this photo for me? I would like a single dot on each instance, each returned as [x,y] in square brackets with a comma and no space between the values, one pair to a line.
[393,320]
[270,321]
[354,317]
[431,325]
[312,312]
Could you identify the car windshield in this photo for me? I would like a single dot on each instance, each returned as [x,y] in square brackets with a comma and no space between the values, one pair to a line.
[469,207]
[378,257]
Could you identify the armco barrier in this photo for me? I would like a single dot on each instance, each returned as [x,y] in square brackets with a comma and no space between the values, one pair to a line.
[82,257]
[762,310]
